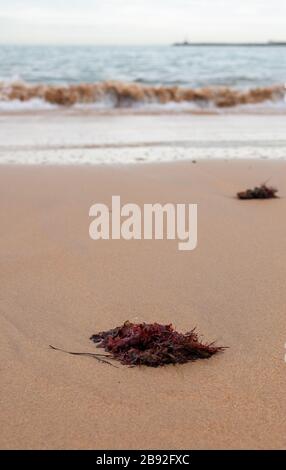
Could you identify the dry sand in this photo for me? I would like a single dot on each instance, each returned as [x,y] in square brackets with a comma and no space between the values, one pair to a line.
[58,287]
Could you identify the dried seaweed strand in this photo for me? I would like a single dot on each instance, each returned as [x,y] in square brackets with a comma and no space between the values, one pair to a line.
[98,357]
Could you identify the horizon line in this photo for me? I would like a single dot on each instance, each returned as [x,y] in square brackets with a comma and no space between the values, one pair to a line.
[177,43]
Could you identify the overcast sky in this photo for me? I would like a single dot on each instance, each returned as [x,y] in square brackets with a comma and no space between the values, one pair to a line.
[140,21]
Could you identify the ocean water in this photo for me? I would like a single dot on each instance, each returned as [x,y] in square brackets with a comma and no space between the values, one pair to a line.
[82,138]
[196,77]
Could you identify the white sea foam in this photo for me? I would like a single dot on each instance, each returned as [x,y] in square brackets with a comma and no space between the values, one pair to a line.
[38,104]
[84,139]
[33,104]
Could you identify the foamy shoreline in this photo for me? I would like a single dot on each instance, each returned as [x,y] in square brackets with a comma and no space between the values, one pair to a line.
[64,138]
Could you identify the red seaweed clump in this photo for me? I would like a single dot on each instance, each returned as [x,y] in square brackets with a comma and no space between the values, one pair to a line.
[259,192]
[153,345]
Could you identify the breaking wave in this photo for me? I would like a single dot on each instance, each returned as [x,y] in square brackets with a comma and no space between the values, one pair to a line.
[125,95]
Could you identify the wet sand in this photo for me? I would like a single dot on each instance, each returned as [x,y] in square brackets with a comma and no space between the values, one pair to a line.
[58,287]
[70,136]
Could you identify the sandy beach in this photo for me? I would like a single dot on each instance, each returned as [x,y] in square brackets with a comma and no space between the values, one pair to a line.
[132,106]
[58,287]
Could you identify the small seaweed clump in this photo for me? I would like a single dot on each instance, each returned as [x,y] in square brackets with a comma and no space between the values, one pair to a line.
[259,192]
[153,345]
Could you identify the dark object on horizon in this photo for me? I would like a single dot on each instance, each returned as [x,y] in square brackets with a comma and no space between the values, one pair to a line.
[276,43]
[231,44]
[153,345]
[184,43]
[259,192]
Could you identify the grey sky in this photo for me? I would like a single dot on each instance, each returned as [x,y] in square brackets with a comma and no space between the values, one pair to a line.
[140,21]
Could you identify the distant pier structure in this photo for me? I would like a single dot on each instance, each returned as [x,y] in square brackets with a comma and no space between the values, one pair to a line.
[230,44]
